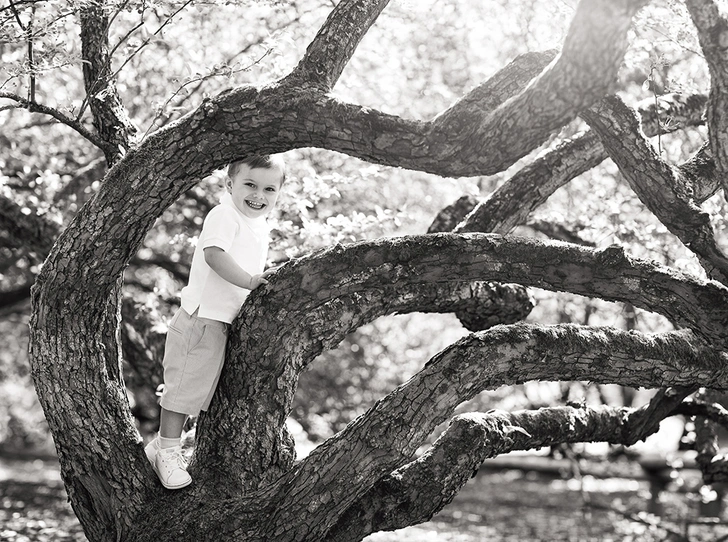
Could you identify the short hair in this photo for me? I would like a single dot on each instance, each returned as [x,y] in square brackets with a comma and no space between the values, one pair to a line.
[266,161]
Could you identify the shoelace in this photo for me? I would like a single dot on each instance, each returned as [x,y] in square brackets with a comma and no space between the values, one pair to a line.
[175,455]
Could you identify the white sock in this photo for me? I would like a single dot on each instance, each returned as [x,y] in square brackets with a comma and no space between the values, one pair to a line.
[168,442]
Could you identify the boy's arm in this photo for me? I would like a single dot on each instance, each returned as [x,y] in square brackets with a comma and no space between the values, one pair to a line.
[224,265]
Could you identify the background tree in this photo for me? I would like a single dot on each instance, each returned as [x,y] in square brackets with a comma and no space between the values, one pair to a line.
[367,477]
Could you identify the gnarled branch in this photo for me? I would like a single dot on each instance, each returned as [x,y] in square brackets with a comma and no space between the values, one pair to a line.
[509,205]
[659,186]
[712,28]
[342,288]
[420,489]
[386,436]
[332,48]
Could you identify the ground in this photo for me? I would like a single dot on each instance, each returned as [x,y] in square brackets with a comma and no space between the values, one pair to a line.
[497,505]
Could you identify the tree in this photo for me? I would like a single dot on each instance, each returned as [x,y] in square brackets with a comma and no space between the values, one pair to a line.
[367,477]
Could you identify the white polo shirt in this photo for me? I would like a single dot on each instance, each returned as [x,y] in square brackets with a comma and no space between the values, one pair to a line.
[246,240]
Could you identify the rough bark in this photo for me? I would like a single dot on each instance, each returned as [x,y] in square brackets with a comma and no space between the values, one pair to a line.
[712,26]
[336,41]
[423,487]
[510,205]
[658,185]
[328,303]
[109,116]
[309,498]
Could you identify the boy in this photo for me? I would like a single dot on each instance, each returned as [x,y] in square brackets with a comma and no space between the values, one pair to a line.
[227,263]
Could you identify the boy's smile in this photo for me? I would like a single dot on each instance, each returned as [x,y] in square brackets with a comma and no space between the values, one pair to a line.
[255,191]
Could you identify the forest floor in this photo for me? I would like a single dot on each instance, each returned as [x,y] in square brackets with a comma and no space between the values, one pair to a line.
[497,506]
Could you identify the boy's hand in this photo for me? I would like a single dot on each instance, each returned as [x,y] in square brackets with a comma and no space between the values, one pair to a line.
[257,280]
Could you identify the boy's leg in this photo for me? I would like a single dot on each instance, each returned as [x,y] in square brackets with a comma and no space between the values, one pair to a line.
[170,427]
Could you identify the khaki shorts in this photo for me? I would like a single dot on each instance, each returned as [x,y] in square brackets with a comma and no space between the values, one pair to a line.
[194,352]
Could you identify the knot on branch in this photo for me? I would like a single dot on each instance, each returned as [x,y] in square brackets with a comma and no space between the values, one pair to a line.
[613,255]
[503,304]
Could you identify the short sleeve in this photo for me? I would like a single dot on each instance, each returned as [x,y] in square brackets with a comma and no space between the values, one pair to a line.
[219,229]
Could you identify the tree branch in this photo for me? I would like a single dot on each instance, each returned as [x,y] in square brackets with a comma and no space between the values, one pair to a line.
[481,305]
[510,205]
[399,275]
[712,28]
[35,107]
[659,186]
[386,436]
[420,489]
[334,45]
[584,72]
[110,119]
[470,139]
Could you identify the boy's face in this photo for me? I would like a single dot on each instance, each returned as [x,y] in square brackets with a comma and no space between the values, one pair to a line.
[255,190]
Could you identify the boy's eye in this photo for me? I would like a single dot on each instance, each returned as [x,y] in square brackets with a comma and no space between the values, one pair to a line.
[270,189]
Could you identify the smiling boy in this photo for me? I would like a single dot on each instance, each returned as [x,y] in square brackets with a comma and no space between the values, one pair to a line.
[227,264]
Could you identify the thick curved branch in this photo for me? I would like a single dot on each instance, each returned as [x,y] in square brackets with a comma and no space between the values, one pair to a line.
[427,146]
[173,159]
[280,117]
[510,205]
[420,489]
[659,186]
[386,437]
[585,71]
[275,119]
[712,28]
[344,287]
[470,140]
[334,45]
[110,119]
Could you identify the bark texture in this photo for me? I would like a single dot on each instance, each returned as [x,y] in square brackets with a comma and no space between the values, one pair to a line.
[712,26]
[111,121]
[659,186]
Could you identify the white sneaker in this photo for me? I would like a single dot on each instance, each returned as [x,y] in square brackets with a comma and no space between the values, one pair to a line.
[151,450]
[171,467]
